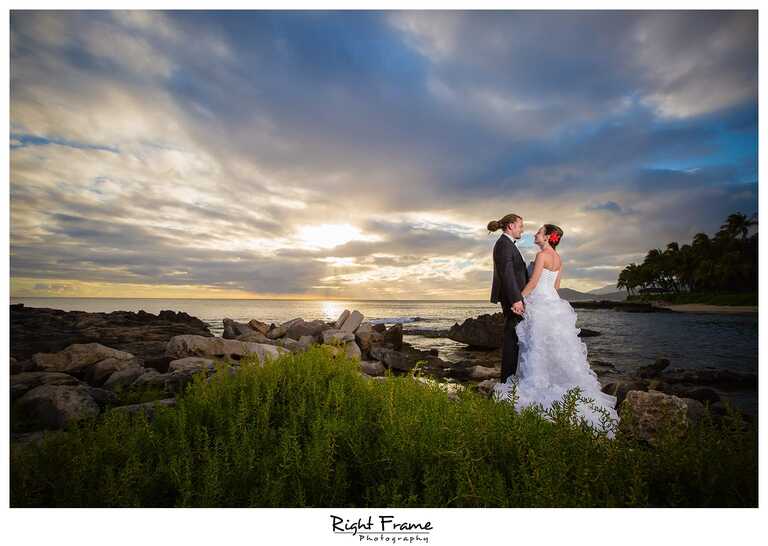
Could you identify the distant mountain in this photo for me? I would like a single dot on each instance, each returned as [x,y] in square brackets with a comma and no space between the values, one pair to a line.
[607,289]
[574,295]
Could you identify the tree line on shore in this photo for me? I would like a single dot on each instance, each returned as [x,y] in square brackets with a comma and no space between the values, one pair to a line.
[725,262]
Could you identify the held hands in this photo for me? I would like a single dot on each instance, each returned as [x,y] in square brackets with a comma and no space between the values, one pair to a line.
[518,308]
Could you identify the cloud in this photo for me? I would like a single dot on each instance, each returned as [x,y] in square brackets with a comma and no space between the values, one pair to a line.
[203,148]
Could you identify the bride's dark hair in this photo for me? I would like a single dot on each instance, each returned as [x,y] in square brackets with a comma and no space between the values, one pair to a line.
[550,229]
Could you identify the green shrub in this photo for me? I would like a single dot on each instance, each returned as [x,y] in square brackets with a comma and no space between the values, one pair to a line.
[308,430]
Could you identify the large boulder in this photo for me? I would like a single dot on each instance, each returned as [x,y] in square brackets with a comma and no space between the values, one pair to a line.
[367,338]
[151,379]
[148,408]
[192,364]
[215,347]
[352,350]
[233,329]
[98,373]
[144,335]
[392,359]
[23,382]
[481,373]
[652,410]
[78,357]
[280,331]
[372,367]
[485,331]
[379,327]
[333,336]
[124,378]
[55,406]
[302,328]
[305,342]
[394,336]
[255,337]
[257,325]
[352,322]
[342,317]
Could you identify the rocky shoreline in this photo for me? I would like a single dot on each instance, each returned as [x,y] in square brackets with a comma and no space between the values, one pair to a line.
[69,365]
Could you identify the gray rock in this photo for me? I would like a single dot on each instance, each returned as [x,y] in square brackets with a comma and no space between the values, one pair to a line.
[302,328]
[215,347]
[482,373]
[367,339]
[379,327]
[103,397]
[98,373]
[257,325]
[342,317]
[255,337]
[352,350]
[364,327]
[305,342]
[148,407]
[653,409]
[176,381]
[281,330]
[288,343]
[55,406]
[391,358]
[124,378]
[352,322]
[151,379]
[26,381]
[192,364]
[394,336]
[77,357]
[486,387]
[484,331]
[233,329]
[372,367]
[333,336]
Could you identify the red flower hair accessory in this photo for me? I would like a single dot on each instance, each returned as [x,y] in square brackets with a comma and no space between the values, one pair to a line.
[554,238]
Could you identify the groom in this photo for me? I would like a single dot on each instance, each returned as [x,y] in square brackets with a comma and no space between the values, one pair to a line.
[510,275]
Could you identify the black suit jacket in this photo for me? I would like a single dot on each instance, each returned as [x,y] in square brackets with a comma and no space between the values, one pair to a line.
[510,274]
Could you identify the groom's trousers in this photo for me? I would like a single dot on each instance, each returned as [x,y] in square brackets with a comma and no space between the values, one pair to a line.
[509,349]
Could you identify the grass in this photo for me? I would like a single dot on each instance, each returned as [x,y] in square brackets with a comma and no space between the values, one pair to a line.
[307,430]
[742,298]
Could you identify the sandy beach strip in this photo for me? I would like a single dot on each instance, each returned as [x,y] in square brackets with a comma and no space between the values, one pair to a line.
[719,309]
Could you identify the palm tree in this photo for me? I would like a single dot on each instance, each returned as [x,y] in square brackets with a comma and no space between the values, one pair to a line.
[739,224]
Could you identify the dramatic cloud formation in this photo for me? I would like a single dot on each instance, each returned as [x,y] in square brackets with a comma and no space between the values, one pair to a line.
[362,154]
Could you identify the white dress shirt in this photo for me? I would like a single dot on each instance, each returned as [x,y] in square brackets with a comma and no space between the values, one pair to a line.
[510,237]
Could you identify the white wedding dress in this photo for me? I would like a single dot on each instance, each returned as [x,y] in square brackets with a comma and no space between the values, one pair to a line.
[553,359]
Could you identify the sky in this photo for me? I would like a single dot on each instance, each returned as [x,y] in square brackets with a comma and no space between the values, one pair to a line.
[321,154]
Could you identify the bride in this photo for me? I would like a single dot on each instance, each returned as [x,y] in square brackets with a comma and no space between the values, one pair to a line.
[553,359]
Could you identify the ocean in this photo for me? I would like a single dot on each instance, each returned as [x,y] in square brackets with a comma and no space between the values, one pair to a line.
[627,340]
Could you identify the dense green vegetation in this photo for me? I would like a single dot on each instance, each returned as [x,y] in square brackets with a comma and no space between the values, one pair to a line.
[725,263]
[309,430]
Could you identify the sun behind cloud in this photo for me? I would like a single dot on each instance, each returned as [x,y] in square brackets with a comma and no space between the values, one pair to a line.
[325,236]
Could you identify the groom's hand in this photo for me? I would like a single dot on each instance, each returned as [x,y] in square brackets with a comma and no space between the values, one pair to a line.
[518,308]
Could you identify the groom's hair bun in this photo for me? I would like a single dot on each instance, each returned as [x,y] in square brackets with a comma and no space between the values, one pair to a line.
[511,218]
[549,231]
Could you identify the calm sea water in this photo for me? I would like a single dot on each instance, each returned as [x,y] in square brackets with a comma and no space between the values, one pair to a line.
[627,340]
